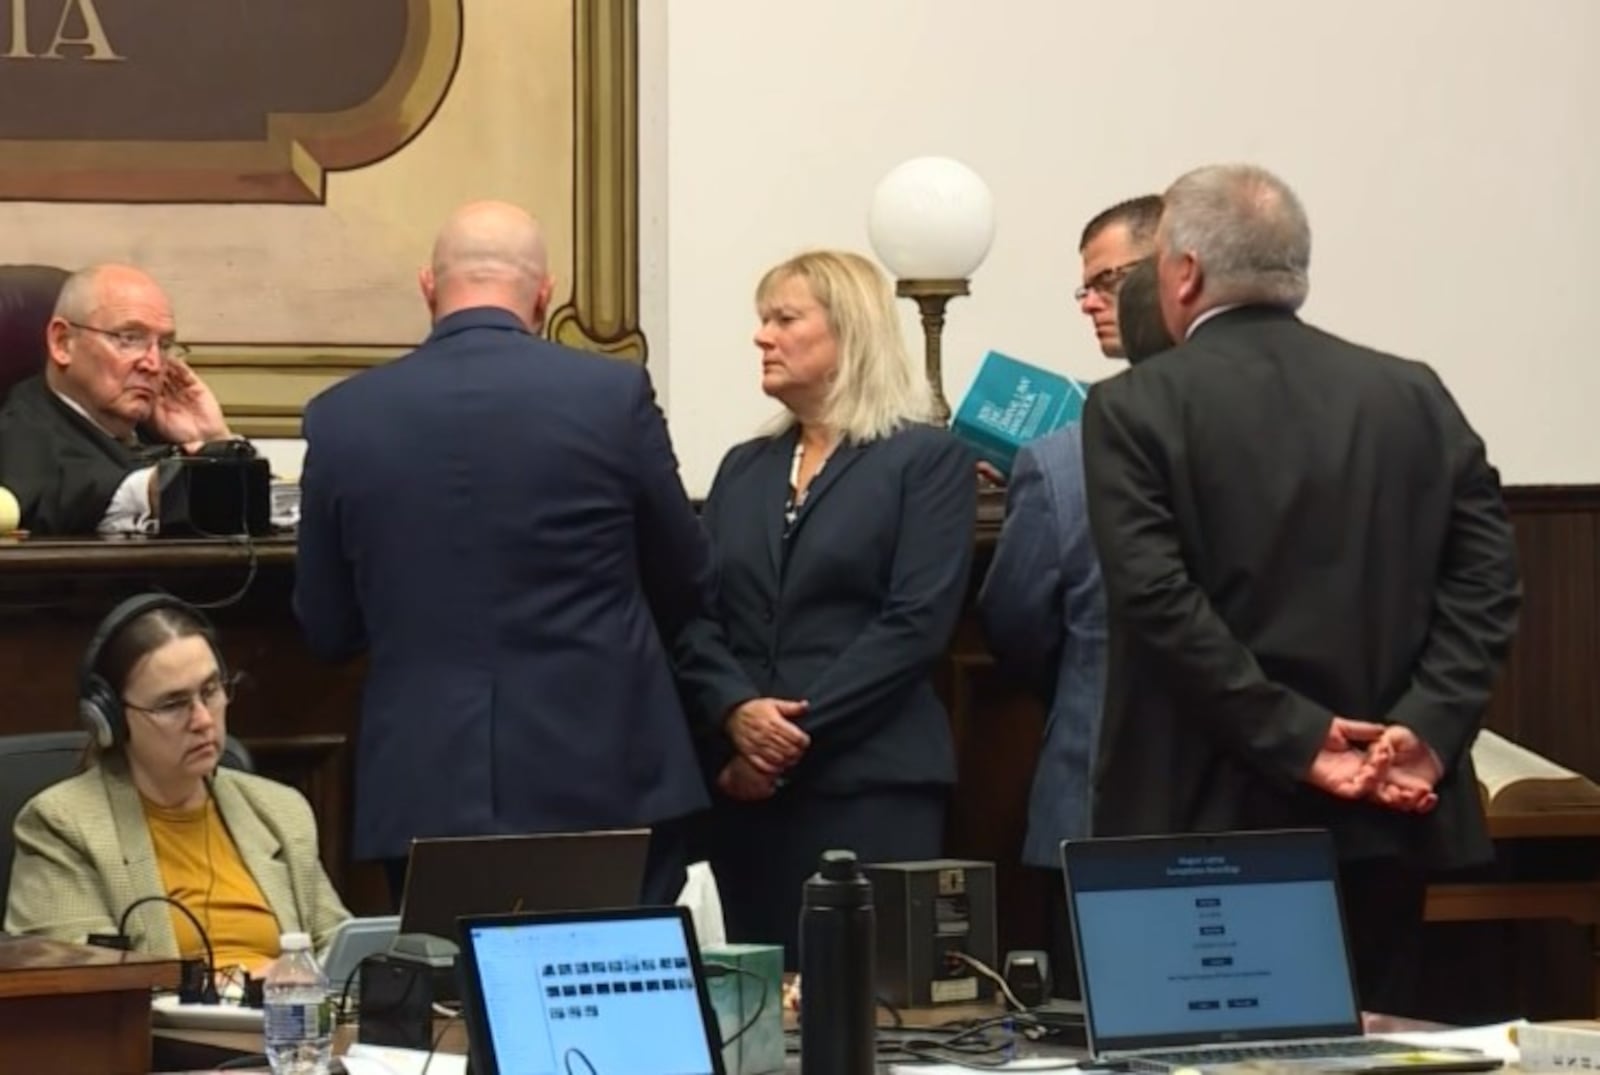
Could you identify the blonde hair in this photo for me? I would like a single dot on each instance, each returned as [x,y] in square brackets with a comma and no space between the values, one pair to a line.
[876,389]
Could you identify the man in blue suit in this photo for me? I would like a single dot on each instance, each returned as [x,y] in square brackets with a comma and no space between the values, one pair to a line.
[1041,604]
[498,523]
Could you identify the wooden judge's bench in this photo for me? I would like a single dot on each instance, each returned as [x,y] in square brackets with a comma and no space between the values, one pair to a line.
[297,715]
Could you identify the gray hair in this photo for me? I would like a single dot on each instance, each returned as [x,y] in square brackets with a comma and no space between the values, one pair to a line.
[1247,230]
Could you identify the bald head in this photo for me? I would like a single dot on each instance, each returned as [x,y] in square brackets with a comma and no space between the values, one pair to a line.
[489,254]
[86,290]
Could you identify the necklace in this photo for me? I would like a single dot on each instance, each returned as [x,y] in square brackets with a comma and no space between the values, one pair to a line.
[797,495]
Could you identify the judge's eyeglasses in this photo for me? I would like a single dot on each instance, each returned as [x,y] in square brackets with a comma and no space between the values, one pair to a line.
[133,343]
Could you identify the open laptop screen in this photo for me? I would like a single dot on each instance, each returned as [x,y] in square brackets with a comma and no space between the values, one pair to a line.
[587,993]
[1209,938]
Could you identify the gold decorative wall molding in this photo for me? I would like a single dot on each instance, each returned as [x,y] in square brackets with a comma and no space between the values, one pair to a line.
[264,388]
[604,312]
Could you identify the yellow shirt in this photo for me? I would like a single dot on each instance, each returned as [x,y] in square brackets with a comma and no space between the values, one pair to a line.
[201,869]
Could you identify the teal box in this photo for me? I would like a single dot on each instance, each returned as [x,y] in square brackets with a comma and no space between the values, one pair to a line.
[1011,403]
[746,983]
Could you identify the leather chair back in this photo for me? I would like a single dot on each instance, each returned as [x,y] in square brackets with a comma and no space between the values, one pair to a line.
[27,298]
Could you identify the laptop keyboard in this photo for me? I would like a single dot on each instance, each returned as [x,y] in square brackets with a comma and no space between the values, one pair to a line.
[1288,1050]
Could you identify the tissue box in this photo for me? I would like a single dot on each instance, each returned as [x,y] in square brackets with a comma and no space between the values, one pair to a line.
[737,997]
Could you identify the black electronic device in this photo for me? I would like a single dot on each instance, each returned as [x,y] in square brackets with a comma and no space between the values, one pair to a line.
[1027,975]
[935,921]
[224,491]
[396,1000]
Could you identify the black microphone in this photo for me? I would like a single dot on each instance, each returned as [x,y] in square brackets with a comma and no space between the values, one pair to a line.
[190,991]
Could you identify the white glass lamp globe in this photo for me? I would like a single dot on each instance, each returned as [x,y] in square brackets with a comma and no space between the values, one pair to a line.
[932,218]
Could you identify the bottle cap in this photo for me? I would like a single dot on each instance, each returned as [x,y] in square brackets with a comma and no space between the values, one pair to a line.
[839,865]
[838,883]
[294,942]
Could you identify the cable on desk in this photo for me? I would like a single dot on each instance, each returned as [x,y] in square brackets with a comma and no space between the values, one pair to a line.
[993,975]
[437,1038]
[720,970]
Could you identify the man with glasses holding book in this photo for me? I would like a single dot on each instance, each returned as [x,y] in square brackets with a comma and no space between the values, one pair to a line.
[81,443]
[1041,604]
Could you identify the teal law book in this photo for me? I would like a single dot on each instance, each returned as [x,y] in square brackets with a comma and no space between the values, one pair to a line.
[1011,403]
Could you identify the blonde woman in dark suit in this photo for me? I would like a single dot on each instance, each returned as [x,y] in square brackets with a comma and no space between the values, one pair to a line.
[843,540]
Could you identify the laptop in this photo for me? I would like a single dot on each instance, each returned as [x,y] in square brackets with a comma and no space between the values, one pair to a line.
[1201,950]
[448,877]
[587,993]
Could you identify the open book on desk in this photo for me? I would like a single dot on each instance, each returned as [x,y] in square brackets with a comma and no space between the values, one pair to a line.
[1513,779]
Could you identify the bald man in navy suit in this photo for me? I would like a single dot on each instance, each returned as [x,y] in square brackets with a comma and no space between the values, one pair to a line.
[498,523]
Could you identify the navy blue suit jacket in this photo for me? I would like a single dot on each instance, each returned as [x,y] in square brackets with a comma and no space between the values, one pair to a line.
[499,523]
[849,609]
[1044,615]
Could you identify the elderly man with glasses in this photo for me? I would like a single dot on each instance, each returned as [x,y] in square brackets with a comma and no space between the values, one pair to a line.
[81,443]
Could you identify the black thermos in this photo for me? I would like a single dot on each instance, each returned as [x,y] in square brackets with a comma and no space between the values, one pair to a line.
[837,940]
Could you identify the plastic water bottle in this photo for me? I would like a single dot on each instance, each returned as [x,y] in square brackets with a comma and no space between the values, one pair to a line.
[837,1006]
[298,1016]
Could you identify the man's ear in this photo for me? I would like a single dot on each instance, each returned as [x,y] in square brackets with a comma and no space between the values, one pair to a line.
[541,302]
[1191,279]
[425,284]
[55,338]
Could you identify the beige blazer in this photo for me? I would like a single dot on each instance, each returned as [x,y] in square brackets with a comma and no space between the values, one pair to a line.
[84,855]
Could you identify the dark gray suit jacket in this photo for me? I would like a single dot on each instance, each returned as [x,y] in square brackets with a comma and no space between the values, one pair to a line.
[1291,527]
[850,608]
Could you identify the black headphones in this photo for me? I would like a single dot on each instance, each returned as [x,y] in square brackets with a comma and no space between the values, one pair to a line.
[100,707]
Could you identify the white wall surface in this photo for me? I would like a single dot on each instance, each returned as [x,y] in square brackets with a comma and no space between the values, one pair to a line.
[1448,152]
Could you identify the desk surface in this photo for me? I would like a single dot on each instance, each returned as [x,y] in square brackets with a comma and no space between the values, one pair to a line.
[55,555]
[36,967]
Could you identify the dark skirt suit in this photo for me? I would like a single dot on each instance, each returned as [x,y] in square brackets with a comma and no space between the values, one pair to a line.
[848,608]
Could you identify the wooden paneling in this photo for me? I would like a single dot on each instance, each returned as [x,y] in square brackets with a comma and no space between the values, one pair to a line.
[1549,695]
[64,1007]
[298,714]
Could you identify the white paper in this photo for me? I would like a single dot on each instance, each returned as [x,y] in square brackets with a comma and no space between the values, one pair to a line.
[387,1060]
[1495,1039]
[1034,1063]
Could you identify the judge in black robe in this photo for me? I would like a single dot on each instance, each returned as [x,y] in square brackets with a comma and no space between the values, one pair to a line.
[114,397]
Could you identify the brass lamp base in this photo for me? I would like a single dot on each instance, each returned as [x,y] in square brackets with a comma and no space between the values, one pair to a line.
[931,297]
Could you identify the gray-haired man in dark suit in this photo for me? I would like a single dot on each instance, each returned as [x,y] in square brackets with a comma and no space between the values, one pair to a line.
[1310,577]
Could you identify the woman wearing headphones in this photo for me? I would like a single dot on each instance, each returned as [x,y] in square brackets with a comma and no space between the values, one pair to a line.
[153,816]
